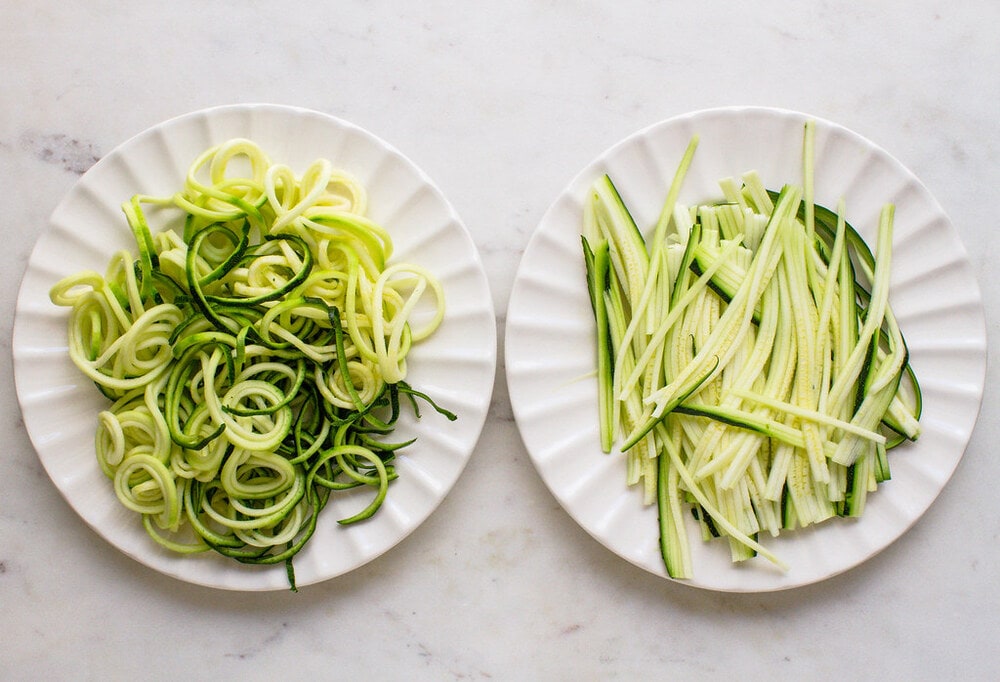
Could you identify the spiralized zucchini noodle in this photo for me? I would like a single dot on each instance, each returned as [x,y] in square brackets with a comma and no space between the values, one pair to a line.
[254,356]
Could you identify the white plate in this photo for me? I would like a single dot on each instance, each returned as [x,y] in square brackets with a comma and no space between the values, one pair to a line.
[549,348]
[456,365]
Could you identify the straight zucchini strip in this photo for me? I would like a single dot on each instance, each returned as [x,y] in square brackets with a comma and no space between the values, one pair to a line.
[674,546]
[816,416]
[597,283]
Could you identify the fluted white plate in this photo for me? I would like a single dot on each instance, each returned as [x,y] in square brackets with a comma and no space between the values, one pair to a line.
[550,347]
[456,365]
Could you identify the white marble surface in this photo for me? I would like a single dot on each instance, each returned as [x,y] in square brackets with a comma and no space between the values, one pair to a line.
[501,103]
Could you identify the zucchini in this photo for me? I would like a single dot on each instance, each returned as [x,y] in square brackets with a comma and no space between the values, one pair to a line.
[749,363]
[253,363]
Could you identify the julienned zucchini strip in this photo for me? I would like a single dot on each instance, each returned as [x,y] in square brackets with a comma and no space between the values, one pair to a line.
[254,360]
[749,363]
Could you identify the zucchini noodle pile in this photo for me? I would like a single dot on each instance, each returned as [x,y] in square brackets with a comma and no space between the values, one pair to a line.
[255,359]
[749,360]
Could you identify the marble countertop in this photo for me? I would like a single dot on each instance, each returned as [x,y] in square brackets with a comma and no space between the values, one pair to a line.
[500,103]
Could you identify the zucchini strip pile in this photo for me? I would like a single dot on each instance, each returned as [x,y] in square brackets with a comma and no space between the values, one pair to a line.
[254,357]
[748,361]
